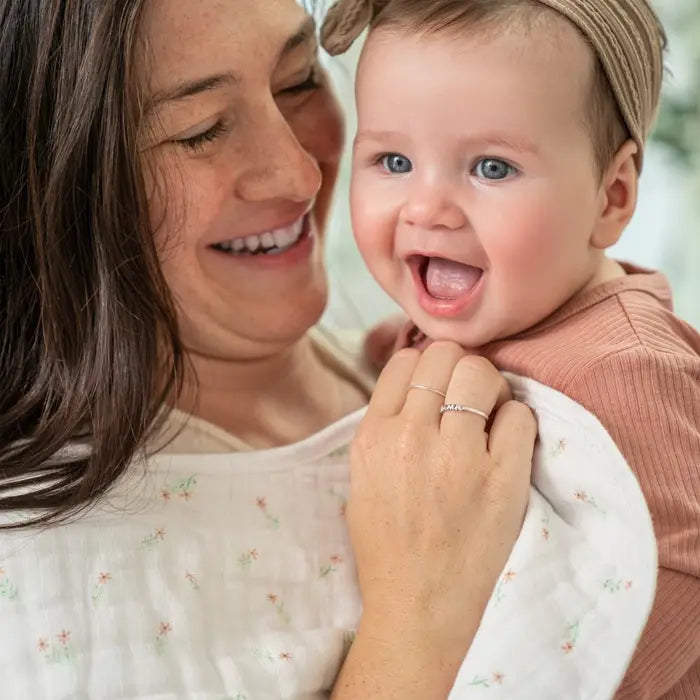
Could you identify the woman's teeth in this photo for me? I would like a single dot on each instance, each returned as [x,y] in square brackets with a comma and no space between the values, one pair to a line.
[268,243]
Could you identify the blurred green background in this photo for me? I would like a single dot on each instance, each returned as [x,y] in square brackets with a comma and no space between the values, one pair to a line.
[665,231]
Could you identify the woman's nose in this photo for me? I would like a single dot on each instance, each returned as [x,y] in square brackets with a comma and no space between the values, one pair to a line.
[278,166]
[432,205]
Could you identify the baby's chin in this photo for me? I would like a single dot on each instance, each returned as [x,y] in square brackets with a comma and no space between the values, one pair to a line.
[468,333]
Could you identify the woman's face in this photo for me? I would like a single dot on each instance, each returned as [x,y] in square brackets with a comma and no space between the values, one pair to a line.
[241,140]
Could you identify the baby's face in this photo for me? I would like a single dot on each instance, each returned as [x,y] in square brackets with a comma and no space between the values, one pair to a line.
[474,189]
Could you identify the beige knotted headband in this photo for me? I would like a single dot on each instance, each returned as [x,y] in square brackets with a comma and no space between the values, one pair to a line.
[625,34]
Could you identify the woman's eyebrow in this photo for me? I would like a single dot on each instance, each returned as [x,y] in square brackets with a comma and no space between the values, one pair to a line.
[193,87]
[306,31]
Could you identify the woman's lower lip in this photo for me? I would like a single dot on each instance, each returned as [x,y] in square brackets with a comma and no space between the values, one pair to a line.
[444,308]
[301,250]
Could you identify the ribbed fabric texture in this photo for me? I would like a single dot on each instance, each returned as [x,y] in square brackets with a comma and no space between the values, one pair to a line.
[619,351]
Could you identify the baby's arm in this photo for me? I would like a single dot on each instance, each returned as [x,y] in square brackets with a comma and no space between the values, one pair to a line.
[650,404]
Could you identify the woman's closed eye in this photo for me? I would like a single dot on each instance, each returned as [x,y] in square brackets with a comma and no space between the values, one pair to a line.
[395,163]
[311,82]
[197,142]
[494,169]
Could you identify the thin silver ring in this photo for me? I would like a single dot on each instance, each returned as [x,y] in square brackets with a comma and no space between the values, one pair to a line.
[427,388]
[459,408]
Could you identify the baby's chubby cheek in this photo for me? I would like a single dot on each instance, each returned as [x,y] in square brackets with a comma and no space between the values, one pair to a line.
[374,219]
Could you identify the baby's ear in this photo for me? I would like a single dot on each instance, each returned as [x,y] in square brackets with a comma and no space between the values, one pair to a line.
[618,193]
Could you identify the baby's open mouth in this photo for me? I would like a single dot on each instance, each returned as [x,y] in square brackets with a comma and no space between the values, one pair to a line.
[446,279]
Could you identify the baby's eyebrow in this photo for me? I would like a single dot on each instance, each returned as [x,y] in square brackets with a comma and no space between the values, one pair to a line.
[373,135]
[513,143]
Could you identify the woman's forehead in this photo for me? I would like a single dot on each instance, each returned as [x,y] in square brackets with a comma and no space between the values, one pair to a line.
[188,41]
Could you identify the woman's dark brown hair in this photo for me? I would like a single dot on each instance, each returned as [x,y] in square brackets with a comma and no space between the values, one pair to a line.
[88,342]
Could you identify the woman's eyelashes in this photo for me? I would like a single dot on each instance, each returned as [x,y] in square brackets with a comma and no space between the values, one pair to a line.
[199,141]
[311,82]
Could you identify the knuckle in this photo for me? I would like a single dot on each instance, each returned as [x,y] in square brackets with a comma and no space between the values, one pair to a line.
[520,415]
[476,364]
[444,347]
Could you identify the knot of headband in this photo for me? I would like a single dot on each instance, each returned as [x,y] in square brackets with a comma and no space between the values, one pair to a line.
[626,36]
[346,20]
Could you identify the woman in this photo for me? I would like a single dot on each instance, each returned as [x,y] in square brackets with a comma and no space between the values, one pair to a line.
[168,416]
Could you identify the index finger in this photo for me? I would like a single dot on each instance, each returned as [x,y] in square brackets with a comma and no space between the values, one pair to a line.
[389,395]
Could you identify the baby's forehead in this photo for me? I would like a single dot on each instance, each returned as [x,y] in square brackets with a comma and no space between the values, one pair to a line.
[543,42]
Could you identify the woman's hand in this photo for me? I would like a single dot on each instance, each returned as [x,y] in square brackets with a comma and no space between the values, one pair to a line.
[435,505]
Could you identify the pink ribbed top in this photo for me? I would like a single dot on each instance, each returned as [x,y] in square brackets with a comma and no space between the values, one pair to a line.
[619,351]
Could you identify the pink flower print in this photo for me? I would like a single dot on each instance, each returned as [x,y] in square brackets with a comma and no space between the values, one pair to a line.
[245,560]
[615,585]
[279,606]
[585,498]
[99,588]
[161,639]
[545,529]
[341,498]
[152,540]
[272,520]
[285,656]
[506,578]
[331,567]
[558,448]
[184,488]
[59,653]
[571,638]
[498,678]
[193,580]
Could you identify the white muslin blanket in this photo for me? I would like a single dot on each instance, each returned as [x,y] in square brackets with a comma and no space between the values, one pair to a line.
[231,576]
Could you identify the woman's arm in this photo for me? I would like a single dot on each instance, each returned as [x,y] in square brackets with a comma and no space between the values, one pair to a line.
[435,505]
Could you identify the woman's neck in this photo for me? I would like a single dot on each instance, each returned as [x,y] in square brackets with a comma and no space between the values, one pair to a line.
[271,401]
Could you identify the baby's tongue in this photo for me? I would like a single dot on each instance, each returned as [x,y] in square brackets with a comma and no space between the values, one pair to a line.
[446,279]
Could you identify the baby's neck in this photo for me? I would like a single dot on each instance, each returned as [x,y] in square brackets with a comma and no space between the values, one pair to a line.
[607,271]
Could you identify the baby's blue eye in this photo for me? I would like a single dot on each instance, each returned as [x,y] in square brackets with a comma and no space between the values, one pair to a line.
[397,164]
[493,169]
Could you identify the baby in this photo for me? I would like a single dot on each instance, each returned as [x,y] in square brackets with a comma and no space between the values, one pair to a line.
[497,158]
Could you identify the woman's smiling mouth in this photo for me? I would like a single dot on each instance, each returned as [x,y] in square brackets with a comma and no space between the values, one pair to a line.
[273,242]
